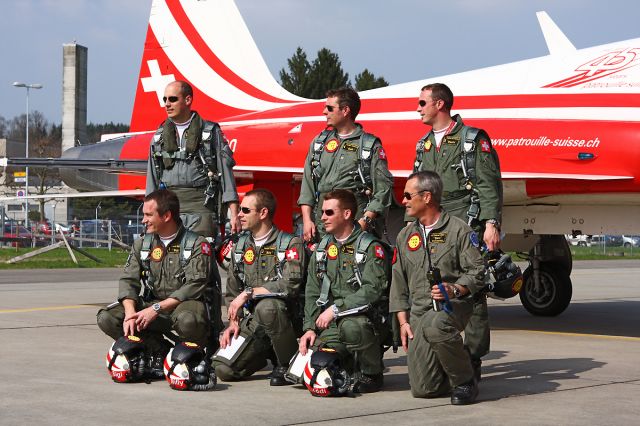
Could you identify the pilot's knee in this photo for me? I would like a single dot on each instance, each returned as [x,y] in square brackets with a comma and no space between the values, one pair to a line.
[266,313]
[224,372]
[109,324]
[189,326]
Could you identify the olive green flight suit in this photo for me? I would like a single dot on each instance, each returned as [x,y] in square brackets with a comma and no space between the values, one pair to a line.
[269,325]
[436,356]
[176,165]
[339,170]
[456,200]
[358,334]
[189,319]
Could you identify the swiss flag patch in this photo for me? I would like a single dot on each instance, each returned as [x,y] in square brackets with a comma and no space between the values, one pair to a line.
[379,252]
[206,249]
[485,145]
[395,256]
[381,154]
[291,254]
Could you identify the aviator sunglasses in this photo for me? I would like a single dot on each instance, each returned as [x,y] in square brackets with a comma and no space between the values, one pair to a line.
[246,210]
[328,212]
[171,99]
[408,196]
[330,108]
[423,103]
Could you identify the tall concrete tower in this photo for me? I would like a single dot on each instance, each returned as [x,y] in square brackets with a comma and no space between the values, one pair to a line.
[74,95]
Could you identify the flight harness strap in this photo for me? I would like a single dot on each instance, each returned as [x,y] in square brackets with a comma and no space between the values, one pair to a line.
[238,253]
[316,170]
[362,245]
[419,152]
[468,164]
[364,164]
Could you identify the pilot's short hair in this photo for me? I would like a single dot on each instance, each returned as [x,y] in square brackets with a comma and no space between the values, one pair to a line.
[264,199]
[346,200]
[440,91]
[429,181]
[167,201]
[346,97]
[185,88]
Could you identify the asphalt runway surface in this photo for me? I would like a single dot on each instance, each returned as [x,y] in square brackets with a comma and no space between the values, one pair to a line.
[579,368]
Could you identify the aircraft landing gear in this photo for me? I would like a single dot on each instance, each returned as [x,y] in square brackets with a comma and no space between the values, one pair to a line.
[547,288]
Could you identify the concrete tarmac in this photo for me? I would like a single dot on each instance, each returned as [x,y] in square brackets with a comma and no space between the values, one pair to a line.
[579,368]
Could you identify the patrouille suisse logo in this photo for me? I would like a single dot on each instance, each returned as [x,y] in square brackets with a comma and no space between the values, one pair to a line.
[517,285]
[249,256]
[156,254]
[602,66]
[332,251]
[133,338]
[332,145]
[414,241]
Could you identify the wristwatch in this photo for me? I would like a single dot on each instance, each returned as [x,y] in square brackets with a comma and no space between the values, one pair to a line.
[248,291]
[367,220]
[335,310]
[456,292]
[494,222]
[156,307]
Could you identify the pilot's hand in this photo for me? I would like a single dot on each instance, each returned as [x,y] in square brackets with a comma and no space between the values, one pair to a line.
[234,222]
[144,318]
[129,326]
[436,294]
[236,306]
[405,334]
[309,230]
[229,334]
[491,237]
[325,318]
[306,341]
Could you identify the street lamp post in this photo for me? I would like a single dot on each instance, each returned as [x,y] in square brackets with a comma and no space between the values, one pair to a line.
[26,169]
[96,233]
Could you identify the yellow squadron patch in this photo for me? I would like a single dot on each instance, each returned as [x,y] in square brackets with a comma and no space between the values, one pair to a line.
[414,242]
[156,254]
[332,252]
[249,256]
[332,145]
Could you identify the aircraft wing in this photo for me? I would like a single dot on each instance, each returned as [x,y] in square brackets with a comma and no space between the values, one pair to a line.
[136,167]
[123,193]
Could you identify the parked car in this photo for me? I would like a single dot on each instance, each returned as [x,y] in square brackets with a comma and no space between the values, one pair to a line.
[631,241]
[579,240]
[19,235]
[606,240]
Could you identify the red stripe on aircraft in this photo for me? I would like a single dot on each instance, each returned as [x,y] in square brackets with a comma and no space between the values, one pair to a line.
[211,58]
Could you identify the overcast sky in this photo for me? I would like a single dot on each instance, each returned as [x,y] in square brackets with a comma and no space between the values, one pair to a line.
[402,40]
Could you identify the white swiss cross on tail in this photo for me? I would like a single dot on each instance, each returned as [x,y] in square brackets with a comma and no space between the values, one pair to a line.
[291,254]
[379,252]
[157,82]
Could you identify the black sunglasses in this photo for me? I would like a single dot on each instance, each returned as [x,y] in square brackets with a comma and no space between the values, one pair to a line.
[330,108]
[246,210]
[171,99]
[423,103]
[328,212]
[409,196]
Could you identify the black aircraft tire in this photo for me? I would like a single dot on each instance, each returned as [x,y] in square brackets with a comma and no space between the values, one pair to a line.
[554,294]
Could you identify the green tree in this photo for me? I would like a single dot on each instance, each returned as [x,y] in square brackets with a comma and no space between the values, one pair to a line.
[326,73]
[297,79]
[367,81]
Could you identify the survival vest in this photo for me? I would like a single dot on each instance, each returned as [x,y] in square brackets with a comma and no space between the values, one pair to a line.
[187,243]
[365,152]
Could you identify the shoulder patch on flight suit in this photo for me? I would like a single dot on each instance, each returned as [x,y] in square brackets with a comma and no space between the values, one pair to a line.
[205,248]
[395,256]
[485,145]
[438,237]
[249,256]
[348,249]
[414,242]
[174,248]
[157,253]
[332,145]
[427,146]
[291,254]
[351,147]
[381,154]
[268,251]
[332,252]
[379,251]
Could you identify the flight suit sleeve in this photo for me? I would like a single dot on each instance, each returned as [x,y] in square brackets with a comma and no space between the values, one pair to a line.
[382,181]
[152,179]
[488,178]
[311,294]
[196,273]
[292,270]
[307,189]
[374,281]
[228,190]
[129,285]
[399,297]
[471,263]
